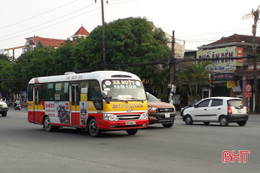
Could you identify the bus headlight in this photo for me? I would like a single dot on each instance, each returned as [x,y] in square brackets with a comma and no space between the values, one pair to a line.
[110,117]
[144,116]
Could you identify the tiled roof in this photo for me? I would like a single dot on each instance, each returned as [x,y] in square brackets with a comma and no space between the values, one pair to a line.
[82,31]
[235,38]
[48,41]
[51,42]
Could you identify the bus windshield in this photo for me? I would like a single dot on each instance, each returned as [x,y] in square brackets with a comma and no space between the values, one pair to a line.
[124,89]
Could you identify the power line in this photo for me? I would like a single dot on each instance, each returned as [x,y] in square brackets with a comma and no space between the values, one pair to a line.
[50,25]
[216,32]
[120,1]
[41,14]
[14,35]
[48,22]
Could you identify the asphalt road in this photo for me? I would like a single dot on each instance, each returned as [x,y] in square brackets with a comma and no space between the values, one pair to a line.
[26,148]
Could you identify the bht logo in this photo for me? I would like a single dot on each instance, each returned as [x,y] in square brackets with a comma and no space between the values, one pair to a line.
[231,156]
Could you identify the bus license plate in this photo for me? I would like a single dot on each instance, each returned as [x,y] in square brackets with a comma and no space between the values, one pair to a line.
[167,115]
[130,123]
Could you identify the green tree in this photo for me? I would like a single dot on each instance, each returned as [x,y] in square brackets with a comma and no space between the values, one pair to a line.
[64,59]
[128,42]
[6,72]
[192,79]
[38,62]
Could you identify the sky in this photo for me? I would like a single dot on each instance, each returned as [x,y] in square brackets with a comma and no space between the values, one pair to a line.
[196,22]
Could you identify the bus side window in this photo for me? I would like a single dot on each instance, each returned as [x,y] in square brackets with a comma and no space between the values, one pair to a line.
[47,92]
[94,94]
[61,91]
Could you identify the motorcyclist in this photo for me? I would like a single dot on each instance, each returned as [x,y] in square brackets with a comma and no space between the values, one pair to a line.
[17,102]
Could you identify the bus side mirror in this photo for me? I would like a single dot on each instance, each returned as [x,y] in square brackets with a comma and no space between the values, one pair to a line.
[147,95]
[104,94]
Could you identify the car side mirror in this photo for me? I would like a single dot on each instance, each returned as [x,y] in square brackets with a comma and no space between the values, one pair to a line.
[195,106]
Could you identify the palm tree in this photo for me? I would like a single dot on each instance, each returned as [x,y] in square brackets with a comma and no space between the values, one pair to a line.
[255,15]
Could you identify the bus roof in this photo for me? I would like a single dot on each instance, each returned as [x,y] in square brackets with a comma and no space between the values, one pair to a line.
[97,75]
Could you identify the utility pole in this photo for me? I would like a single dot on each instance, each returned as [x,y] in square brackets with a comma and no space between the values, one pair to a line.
[103,35]
[172,70]
[256,103]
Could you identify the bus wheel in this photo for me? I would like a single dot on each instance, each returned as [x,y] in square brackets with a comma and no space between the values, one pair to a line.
[47,124]
[132,131]
[93,128]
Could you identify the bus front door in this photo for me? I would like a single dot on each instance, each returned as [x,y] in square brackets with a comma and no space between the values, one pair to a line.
[74,102]
[38,108]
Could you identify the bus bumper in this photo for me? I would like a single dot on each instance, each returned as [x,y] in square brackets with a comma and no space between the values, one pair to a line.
[122,125]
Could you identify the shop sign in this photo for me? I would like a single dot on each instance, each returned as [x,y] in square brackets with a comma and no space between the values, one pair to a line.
[223,77]
[222,65]
[231,84]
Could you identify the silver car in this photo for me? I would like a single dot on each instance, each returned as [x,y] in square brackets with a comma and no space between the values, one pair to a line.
[217,109]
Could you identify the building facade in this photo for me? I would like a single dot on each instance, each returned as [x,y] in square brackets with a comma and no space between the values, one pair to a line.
[230,75]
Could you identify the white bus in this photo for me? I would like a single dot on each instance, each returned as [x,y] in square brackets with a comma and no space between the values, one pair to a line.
[96,101]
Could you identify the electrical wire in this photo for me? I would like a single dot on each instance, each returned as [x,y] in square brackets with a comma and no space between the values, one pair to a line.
[216,32]
[50,25]
[41,14]
[48,22]
[6,37]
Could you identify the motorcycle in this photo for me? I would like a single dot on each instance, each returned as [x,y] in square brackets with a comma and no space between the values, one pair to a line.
[18,107]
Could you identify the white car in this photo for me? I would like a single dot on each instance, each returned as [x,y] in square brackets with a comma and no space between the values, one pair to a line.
[3,108]
[217,109]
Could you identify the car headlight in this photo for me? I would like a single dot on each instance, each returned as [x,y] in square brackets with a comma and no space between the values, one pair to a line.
[110,117]
[152,108]
[144,116]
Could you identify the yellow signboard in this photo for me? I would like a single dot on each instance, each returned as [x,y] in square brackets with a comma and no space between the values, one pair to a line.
[231,84]
[83,97]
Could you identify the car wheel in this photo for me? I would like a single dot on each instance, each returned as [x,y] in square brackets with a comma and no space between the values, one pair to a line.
[93,128]
[188,120]
[241,123]
[223,121]
[167,125]
[4,114]
[131,131]
[206,123]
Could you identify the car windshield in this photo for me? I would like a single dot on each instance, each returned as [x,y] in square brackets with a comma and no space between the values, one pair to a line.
[124,89]
[152,98]
[236,103]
